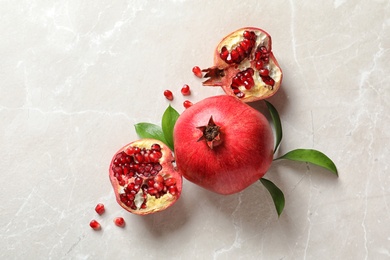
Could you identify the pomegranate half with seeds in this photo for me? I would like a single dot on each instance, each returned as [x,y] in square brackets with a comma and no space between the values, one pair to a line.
[144,177]
[244,65]
[223,144]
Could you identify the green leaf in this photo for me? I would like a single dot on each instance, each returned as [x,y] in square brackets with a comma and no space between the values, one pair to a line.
[311,156]
[276,194]
[276,122]
[148,130]
[168,122]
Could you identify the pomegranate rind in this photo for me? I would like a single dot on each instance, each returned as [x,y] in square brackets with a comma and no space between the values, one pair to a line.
[168,170]
[260,90]
[244,155]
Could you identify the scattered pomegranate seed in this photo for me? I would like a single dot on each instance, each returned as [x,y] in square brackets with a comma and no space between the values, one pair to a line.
[119,221]
[187,104]
[168,94]
[99,209]
[185,90]
[95,225]
[197,71]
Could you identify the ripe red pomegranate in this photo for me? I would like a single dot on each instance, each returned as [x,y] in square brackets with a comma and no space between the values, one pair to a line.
[223,144]
[144,177]
[244,65]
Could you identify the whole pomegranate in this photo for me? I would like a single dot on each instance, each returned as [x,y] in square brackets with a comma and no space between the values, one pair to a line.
[144,177]
[223,144]
[244,65]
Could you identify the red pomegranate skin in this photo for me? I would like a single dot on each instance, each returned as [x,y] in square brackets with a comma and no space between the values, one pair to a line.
[244,154]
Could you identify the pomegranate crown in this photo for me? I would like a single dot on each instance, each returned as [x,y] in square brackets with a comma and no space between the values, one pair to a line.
[210,133]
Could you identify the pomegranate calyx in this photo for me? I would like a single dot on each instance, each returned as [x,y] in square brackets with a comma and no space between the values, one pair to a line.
[214,75]
[211,134]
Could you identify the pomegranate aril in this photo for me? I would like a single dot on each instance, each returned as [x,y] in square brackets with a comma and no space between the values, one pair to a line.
[257,55]
[152,191]
[99,208]
[197,71]
[156,147]
[158,178]
[187,104]
[129,151]
[268,80]
[259,65]
[247,85]
[250,71]
[263,72]
[118,170]
[185,90]
[158,186]
[157,167]
[139,157]
[130,187]
[119,221]
[150,182]
[235,56]
[155,156]
[247,35]
[236,81]
[168,95]
[224,53]
[138,181]
[245,45]
[126,170]
[236,90]
[172,190]
[241,52]
[94,225]
[130,196]
[170,182]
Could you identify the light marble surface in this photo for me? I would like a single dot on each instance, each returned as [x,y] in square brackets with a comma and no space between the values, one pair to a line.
[77,75]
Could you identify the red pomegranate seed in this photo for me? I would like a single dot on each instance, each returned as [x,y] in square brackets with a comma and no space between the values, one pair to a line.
[170,182]
[159,186]
[187,104]
[247,34]
[156,147]
[172,190]
[224,53]
[168,94]
[99,208]
[259,65]
[197,71]
[268,80]
[264,72]
[94,225]
[185,90]
[119,221]
[159,178]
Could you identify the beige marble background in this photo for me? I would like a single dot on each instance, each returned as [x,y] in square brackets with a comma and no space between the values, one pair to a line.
[77,75]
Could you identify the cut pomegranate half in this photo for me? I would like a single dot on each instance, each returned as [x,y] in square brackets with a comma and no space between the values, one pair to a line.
[144,177]
[244,66]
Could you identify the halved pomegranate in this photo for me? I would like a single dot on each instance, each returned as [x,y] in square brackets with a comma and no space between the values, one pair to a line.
[144,177]
[244,65]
